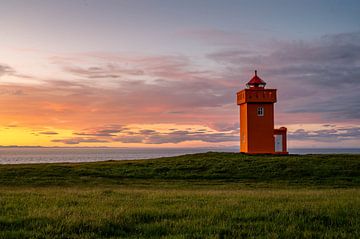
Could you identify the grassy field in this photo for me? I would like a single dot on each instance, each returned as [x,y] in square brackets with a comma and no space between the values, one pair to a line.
[211,195]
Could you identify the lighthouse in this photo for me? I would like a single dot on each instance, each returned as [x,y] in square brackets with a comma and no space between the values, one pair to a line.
[257,133]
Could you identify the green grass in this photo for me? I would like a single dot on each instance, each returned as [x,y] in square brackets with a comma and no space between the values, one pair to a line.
[211,195]
[208,168]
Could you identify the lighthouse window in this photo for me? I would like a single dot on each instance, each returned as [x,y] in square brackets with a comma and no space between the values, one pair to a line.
[260,111]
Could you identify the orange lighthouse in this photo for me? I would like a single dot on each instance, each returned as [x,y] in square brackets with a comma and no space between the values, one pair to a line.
[257,133]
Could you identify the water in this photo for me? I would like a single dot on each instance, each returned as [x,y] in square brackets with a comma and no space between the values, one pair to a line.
[19,155]
[325,151]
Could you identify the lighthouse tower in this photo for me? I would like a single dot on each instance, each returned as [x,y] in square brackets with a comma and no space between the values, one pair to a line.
[257,133]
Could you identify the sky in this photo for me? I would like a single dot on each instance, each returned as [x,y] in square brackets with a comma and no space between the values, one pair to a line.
[164,73]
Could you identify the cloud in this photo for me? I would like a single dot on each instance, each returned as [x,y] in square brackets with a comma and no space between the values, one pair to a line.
[14,92]
[12,125]
[326,135]
[183,136]
[130,139]
[105,71]
[48,132]
[319,77]
[176,137]
[151,136]
[106,131]
[224,126]
[6,70]
[147,132]
[79,140]
[217,37]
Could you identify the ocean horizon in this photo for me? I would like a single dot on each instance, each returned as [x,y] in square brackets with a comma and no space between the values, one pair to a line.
[31,155]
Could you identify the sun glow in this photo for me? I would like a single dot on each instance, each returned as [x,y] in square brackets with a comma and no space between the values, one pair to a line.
[22,136]
[132,135]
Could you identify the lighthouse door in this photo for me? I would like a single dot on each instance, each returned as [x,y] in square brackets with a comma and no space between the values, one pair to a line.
[278,143]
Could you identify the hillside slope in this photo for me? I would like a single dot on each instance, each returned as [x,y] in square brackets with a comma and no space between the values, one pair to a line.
[209,168]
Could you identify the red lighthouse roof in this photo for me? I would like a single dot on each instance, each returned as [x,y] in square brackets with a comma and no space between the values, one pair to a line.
[256,82]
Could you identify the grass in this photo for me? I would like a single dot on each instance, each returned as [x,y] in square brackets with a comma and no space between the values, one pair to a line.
[211,195]
[206,168]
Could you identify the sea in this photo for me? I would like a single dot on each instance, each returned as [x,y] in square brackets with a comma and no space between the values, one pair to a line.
[31,155]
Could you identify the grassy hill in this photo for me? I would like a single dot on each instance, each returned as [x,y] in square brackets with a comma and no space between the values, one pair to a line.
[211,167]
[210,195]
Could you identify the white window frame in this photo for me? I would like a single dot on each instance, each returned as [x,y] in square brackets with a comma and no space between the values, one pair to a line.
[260,111]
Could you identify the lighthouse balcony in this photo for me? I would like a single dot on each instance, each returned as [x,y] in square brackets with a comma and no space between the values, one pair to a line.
[256,96]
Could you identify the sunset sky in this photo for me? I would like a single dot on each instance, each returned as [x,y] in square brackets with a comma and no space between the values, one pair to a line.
[164,73]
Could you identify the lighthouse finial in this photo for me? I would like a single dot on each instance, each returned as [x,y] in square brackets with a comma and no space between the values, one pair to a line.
[255,72]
